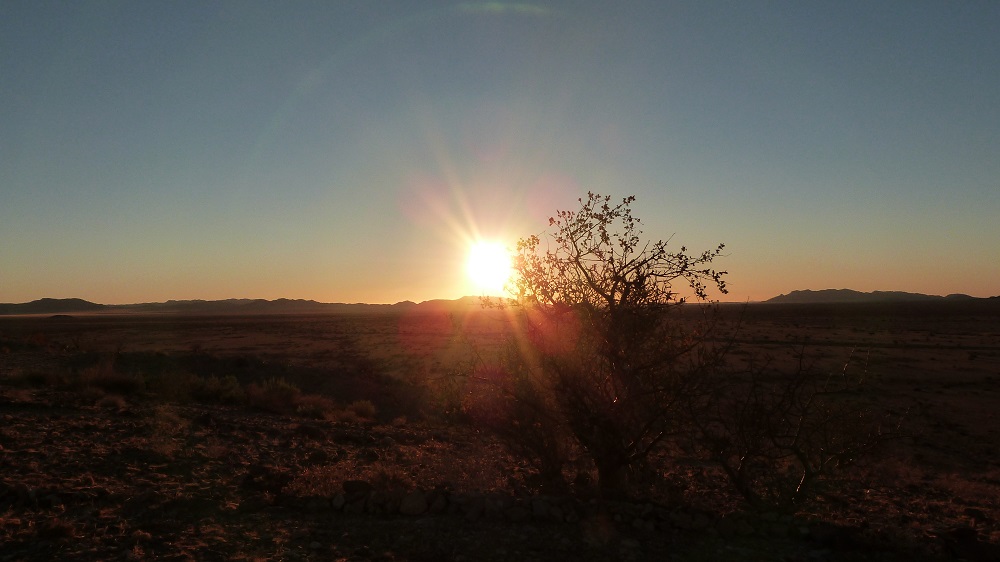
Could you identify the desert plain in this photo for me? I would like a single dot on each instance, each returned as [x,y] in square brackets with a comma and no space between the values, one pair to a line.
[328,437]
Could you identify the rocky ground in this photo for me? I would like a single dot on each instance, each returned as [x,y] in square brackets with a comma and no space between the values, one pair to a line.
[100,471]
[116,479]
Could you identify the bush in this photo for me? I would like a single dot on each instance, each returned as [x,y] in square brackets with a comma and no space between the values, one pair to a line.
[363,409]
[105,377]
[225,390]
[273,395]
[504,401]
[778,436]
[314,406]
[112,402]
[176,387]
[34,379]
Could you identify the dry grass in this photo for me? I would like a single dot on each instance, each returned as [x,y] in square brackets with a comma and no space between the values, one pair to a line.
[947,476]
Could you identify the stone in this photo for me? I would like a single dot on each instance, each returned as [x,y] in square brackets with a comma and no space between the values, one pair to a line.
[299,534]
[501,501]
[681,520]
[517,513]
[376,502]
[726,527]
[413,503]
[743,528]
[310,431]
[355,489]
[319,456]
[700,522]
[317,504]
[356,506]
[338,501]
[474,508]
[437,501]
[779,530]
[540,508]
[770,516]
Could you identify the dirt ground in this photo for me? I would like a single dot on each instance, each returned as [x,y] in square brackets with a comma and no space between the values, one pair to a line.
[93,474]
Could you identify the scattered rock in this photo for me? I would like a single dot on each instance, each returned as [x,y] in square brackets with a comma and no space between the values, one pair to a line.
[413,503]
[338,501]
[743,528]
[310,431]
[318,456]
[355,489]
[317,504]
[517,513]
[474,508]
[963,542]
[437,501]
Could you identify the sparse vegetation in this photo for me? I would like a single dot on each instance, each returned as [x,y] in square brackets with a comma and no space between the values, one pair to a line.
[172,467]
[777,435]
[273,395]
[106,377]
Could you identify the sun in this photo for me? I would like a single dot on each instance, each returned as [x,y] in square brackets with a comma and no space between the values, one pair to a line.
[488,267]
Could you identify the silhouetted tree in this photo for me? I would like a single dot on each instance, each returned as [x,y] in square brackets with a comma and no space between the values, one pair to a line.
[600,354]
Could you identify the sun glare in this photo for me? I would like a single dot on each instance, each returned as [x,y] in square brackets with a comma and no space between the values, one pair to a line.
[489,267]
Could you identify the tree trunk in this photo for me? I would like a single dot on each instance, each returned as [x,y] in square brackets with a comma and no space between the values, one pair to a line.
[611,475]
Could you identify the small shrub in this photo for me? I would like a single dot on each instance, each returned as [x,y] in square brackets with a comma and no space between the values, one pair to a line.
[105,377]
[391,477]
[314,406]
[165,422]
[500,399]
[778,438]
[363,409]
[273,395]
[34,379]
[215,390]
[91,394]
[176,387]
[344,416]
[112,402]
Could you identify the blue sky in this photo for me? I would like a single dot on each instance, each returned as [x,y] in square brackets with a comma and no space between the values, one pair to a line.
[349,151]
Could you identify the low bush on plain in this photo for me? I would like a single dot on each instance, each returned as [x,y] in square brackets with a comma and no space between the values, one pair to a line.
[274,395]
[105,377]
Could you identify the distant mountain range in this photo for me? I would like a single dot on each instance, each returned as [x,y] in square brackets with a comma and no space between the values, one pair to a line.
[300,306]
[228,306]
[849,296]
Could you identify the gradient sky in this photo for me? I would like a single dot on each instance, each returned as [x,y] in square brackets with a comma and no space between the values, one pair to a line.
[348,151]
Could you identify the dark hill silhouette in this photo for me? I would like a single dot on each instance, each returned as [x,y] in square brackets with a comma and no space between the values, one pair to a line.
[851,296]
[232,306]
[51,306]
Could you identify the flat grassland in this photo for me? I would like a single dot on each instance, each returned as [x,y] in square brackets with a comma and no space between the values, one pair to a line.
[323,437]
